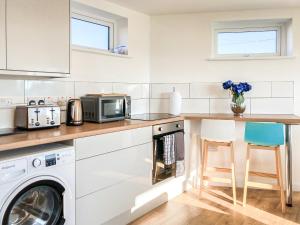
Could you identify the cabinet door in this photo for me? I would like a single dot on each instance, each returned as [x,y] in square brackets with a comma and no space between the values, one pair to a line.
[2,35]
[38,35]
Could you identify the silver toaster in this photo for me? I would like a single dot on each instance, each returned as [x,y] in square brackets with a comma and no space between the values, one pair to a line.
[37,116]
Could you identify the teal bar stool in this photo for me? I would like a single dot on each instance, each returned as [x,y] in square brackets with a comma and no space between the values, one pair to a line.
[264,136]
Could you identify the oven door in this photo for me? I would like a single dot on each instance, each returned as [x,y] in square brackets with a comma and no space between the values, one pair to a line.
[39,203]
[112,109]
[161,171]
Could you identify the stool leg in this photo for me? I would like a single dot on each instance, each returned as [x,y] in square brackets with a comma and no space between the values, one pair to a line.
[203,164]
[279,178]
[233,174]
[246,176]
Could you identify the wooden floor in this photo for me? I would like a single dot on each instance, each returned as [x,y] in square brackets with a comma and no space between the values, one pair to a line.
[215,208]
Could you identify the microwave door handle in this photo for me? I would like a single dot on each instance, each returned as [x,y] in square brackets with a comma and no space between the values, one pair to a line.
[125,105]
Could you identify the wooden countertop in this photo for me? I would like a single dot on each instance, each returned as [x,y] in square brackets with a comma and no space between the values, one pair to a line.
[63,133]
[280,118]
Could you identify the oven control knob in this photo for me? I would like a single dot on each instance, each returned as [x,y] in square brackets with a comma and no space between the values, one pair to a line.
[36,163]
[160,129]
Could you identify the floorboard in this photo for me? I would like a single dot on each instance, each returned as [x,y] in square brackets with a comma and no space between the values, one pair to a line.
[215,207]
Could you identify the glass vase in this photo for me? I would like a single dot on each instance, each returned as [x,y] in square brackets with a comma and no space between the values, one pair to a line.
[237,106]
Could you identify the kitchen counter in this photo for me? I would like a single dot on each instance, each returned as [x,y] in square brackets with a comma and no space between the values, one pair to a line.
[278,118]
[64,133]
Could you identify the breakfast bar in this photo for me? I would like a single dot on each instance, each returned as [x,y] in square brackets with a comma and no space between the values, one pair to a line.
[287,119]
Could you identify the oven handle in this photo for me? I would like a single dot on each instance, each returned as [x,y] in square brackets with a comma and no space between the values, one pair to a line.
[154,173]
[165,134]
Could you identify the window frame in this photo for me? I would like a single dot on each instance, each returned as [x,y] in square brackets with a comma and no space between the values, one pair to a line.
[276,28]
[98,21]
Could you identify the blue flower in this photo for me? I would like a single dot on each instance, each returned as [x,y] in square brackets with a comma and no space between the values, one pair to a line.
[246,87]
[227,84]
[237,88]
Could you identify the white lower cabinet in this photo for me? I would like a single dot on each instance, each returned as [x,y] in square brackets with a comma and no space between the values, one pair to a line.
[108,181]
[96,145]
[102,171]
[101,206]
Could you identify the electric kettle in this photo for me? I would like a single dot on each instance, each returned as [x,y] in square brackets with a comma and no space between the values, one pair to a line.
[74,113]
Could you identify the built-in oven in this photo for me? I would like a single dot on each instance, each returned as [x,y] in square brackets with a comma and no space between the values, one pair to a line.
[105,108]
[168,151]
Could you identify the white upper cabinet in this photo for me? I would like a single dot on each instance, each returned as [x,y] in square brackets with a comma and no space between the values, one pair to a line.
[38,36]
[2,35]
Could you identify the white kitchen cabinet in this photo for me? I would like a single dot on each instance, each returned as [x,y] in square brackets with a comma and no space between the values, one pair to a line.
[2,36]
[100,144]
[96,173]
[100,207]
[38,37]
[111,171]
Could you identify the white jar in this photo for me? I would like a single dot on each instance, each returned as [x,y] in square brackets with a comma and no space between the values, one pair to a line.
[175,103]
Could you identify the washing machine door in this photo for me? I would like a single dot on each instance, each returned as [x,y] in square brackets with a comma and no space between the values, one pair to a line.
[40,203]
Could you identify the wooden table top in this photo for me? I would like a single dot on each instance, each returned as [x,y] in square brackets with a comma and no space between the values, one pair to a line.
[63,133]
[278,118]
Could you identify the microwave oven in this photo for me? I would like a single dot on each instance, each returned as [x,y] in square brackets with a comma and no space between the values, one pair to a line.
[105,108]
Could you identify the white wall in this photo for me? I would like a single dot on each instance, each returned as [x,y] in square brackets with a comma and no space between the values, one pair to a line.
[95,67]
[180,47]
[91,72]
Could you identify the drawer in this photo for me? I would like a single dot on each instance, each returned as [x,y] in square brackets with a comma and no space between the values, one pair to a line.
[100,144]
[105,170]
[104,205]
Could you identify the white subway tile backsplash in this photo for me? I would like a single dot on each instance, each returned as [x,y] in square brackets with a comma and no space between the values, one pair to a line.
[49,88]
[12,89]
[283,89]
[208,90]
[139,106]
[146,91]
[260,90]
[195,106]
[7,118]
[272,105]
[83,88]
[219,106]
[163,90]
[159,105]
[134,90]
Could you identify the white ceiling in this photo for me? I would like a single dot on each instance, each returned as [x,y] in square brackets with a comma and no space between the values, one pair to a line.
[155,7]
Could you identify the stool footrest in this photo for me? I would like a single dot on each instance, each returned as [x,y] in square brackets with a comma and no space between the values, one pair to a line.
[217,179]
[219,169]
[261,147]
[260,174]
[218,143]
[263,185]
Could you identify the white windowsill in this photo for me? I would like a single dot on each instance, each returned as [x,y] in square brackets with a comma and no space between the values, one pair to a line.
[97,51]
[250,58]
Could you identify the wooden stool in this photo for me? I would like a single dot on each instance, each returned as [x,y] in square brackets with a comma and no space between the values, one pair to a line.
[218,133]
[254,135]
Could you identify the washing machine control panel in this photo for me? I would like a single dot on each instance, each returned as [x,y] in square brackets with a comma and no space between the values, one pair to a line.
[51,159]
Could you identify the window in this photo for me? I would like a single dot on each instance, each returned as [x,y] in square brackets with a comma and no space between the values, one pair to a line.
[248,42]
[250,39]
[91,33]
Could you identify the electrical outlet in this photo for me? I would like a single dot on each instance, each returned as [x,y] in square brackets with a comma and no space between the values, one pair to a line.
[6,101]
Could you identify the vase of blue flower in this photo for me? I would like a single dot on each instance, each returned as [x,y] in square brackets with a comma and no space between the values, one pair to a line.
[237,91]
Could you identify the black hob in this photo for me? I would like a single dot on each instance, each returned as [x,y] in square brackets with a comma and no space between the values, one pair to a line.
[152,116]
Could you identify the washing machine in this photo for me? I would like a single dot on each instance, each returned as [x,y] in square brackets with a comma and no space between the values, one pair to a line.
[37,186]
